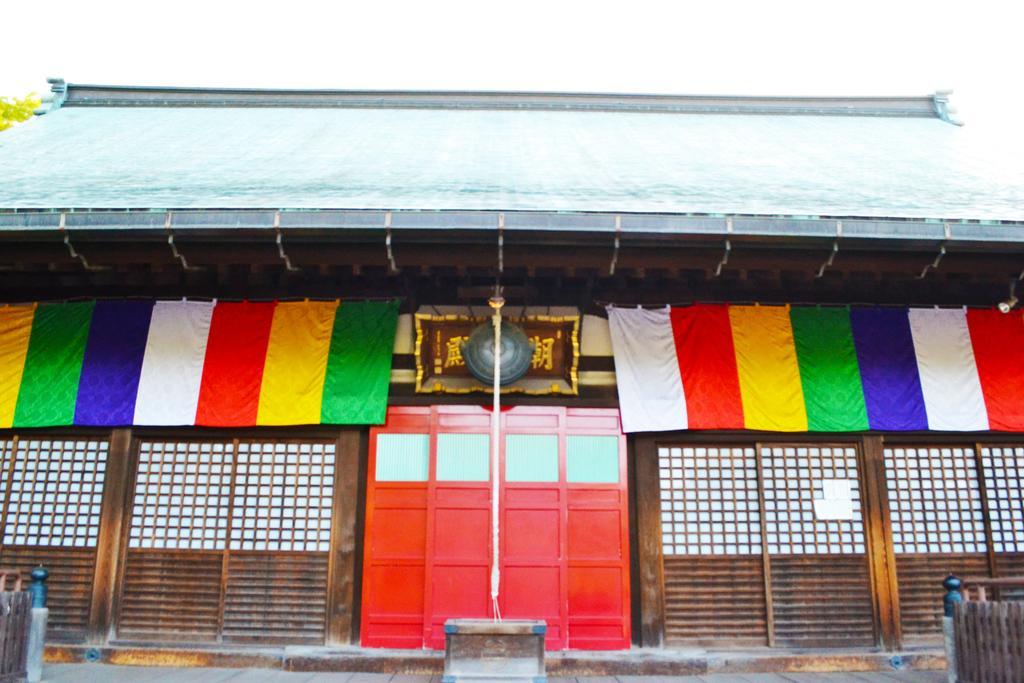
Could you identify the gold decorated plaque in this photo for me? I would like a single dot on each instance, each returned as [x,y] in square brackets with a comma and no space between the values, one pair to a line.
[440,367]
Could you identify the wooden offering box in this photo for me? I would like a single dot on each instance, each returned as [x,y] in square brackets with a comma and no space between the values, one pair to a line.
[484,650]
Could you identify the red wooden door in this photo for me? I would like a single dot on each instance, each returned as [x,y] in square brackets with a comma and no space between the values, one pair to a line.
[394,565]
[564,534]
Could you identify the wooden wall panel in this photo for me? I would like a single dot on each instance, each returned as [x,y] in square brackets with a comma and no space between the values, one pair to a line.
[52,491]
[170,595]
[229,541]
[70,583]
[713,600]
[1010,565]
[275,597]
[822,601]
[920,585]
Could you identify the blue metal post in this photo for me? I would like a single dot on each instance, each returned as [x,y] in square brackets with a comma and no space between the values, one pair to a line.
[953,595]
[37,630]
[38,587]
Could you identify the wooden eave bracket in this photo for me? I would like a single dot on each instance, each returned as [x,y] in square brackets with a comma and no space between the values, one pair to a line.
[280,244]
[71,248]
[618,242]
[832,255]
[934,265]
[727,248]
[392,265]
[174,248]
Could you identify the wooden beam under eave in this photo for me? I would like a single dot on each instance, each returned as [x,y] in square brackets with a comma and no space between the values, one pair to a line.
[536,258]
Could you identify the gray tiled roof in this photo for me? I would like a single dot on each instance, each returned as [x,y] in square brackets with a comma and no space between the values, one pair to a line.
[425,158]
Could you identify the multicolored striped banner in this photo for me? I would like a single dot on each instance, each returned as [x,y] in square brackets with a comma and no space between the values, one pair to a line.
[111,363]
[819,369]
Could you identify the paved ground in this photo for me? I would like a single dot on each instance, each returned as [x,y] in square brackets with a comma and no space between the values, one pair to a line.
[102,673]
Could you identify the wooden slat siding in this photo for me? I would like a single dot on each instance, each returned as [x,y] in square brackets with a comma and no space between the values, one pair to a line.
[170,595]
[715,599]
[1010,565]
[822,601]
[275,597]
[920,586]
[71,575]
[649,551]
[989,642]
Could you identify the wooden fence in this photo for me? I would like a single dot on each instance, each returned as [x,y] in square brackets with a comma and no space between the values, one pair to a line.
[989,641]
[15,620]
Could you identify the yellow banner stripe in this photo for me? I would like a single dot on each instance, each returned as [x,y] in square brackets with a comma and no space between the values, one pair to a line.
[773,397]
[15,330]
[293,375]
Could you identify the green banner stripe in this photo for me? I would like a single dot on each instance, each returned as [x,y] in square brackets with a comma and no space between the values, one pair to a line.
[359,363]
[49,385]
[828,369]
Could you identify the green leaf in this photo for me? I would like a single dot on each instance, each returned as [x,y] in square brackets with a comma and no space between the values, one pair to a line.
[15,110]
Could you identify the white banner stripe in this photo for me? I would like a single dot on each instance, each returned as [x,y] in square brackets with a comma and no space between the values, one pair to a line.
[949,375]
[172,368]
[651,395]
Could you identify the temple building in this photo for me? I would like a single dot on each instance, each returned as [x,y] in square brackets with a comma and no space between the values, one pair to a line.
[773,389]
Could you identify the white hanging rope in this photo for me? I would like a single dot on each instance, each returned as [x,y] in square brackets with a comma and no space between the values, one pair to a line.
[496,303]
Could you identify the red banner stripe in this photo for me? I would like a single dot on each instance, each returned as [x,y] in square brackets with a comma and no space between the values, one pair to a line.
[235,353]
[998,341]
[707,365]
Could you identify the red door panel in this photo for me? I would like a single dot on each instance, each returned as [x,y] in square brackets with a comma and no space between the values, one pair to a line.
[394,569]
[564,546]
[598,547]
[460,561]
[532,592]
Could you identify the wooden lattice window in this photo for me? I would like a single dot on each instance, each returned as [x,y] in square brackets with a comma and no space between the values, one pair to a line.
[181,495]
[709,501]
[222,533]
[1004,490]
[794,476]
[282,497]
[934,500]
[56,490]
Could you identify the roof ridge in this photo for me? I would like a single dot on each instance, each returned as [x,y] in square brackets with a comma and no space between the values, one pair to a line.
[85,95]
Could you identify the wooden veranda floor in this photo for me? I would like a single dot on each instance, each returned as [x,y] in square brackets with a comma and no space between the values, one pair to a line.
[106,673]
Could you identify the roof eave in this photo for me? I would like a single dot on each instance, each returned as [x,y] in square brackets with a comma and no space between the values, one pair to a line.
[865,230]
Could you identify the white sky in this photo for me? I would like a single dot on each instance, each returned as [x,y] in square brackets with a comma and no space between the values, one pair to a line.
[769,47]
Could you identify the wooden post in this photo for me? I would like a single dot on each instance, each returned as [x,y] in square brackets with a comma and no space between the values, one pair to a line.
[766,557]
[114,518]
[986,515]
[878,542]
[342,560]
[648,522]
